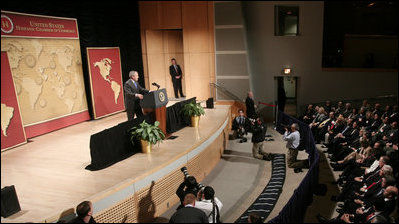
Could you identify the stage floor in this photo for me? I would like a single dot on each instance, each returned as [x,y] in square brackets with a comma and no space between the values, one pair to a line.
[49,172]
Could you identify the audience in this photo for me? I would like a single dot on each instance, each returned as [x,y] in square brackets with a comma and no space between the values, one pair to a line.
[362,144]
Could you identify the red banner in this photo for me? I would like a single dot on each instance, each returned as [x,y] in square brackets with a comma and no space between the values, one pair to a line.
[12,130]
[25,25]
[105,80]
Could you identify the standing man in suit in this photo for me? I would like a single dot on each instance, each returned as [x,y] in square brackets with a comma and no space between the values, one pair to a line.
[251,106]
[133,94]
[176,73]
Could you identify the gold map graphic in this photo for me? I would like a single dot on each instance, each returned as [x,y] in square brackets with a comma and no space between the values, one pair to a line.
[7,113]
[105,68]
[48,77]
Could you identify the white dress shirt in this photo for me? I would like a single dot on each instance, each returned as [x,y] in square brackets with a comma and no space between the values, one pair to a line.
[207,207]
[292,139]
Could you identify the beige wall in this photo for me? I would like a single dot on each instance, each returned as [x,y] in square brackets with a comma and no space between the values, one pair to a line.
[183,30]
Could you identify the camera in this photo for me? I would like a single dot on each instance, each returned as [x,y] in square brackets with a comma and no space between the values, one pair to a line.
[243,140]
[186,174]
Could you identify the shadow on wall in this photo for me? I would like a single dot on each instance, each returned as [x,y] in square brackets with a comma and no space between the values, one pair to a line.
[147,207]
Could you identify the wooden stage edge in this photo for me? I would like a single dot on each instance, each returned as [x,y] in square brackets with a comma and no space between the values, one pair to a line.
[137,189]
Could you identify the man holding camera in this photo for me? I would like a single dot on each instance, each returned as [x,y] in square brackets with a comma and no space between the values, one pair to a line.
[258,130]
[208,203]
[293,138]
[189,185]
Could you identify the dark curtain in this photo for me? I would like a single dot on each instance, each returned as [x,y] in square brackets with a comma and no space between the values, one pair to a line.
[113,24]
[175,119]
[295,209]
[113,144]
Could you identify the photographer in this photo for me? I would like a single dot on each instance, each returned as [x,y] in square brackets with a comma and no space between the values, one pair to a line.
[258,130]
[293,138]
[208,203]
[189,185]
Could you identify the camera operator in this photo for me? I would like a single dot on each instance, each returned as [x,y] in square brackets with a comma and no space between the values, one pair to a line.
[258,130]
[293,138]
[189,185]
[208,203]
[240,125]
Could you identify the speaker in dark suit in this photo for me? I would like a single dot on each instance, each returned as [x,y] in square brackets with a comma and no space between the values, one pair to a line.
[176,74]
[9,201]
[133,94]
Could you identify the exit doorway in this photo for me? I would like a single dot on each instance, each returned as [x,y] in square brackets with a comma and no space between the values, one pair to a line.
[285,95]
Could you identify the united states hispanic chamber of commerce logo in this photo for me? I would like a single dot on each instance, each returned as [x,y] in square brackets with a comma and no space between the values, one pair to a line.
[7,26]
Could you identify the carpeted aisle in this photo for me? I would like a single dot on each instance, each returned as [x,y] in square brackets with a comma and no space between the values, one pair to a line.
[266,201]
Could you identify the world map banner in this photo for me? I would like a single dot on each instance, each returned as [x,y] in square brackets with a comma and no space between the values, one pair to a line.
[105,81]
[12,130]
[46,66]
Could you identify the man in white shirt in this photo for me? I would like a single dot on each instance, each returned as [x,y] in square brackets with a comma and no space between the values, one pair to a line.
[208,203]
[293,139]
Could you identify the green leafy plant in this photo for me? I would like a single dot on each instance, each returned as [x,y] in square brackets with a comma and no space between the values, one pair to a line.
[193,109]
[147,132]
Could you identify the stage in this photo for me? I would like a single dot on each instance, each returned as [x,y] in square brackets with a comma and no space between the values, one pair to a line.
[50,177]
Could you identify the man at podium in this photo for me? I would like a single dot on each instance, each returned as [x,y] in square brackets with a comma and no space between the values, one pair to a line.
[133,94]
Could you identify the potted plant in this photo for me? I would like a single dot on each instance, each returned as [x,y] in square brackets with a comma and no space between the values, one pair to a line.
[193,110]
[148,134]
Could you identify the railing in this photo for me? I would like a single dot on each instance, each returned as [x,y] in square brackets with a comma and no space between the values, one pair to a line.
[295,209]
[225,91]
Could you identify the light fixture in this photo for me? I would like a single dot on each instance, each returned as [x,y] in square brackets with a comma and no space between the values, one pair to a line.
[287,71]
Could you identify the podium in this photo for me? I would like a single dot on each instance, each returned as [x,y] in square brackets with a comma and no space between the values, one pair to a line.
[155,102]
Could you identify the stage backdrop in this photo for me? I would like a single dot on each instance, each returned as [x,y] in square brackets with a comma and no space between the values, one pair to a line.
[46,65]
[105,81]
[12,130]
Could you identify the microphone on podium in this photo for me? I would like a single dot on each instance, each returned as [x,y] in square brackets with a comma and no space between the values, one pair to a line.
[155,84]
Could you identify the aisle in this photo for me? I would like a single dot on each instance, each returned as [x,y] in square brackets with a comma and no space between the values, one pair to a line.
[239,178]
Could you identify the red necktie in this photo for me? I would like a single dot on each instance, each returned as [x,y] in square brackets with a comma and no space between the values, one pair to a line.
[369,216]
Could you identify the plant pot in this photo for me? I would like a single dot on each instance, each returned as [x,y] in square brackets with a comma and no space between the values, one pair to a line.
[145,146]
[195,121]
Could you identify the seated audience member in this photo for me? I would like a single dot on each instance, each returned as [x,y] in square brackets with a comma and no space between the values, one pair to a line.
[347,110]
[381,131]
[84,210]
[377,109]
[394,116]
[376,122]
[335,128]
[323,127]
[254,218]
[208,203]
[391,137]
[307,117]
[387,112]
[367,120]
[365,106]
[327,107]
[320,117]
[188,213]
[240,125]
[353,115]
[340,109]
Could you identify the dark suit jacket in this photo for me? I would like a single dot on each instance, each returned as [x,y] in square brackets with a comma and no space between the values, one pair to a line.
[189,215]
[130,89]
[250,104]
[174,73]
